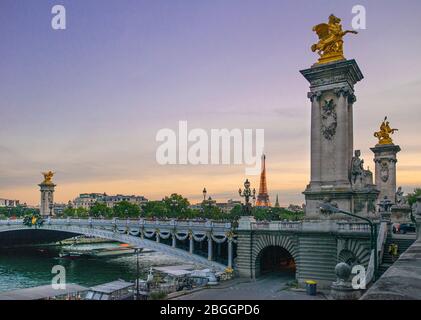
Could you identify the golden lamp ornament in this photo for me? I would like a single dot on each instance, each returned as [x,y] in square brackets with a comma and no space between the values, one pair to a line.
[330,45]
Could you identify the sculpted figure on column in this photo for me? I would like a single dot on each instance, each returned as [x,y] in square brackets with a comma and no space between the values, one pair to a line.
[385,132]
[330,45]
[357,168]
[400,198]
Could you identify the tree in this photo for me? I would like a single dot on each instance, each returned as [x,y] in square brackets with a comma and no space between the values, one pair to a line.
[81,213]
[212,212]
[100,209]
[125,209]
[155,209]
[176,205]
[69,212]
[235,212]
[412,197]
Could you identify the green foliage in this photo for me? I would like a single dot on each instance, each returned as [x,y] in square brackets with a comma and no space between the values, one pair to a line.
[235,212]
[272,214]
[412,197]
[176,205]
[75,213]
[69,212]
[125,209]
[157,295]
[155,209]
[18,211]
[100,210]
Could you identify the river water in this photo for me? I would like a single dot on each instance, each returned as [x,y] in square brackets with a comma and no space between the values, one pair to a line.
[31,266]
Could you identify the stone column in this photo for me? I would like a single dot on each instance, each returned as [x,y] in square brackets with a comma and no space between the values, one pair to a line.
[158,238]
[174,241]
[385,174]
[332,96]
[230,253]
[315,139]
[210,248]
[342,139]
[47,198]
[191,244]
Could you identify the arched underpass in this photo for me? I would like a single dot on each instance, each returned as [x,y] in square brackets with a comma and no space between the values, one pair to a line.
[275,261]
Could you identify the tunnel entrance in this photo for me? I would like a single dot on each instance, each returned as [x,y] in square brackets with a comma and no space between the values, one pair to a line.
[275,259]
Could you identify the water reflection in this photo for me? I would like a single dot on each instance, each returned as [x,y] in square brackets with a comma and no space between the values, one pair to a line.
[30,266]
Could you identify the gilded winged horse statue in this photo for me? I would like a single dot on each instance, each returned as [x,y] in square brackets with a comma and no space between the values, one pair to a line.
[330,45]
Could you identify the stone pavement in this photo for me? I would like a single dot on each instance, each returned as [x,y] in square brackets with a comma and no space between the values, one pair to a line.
[273,287]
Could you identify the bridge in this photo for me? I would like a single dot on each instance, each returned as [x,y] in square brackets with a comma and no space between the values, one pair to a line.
[168,237]
[309,249]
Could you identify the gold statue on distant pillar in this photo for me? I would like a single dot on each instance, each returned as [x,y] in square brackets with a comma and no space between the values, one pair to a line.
[47,177]
[384,134]
[330,45]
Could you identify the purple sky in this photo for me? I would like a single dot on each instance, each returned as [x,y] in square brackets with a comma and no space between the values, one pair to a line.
[87,102]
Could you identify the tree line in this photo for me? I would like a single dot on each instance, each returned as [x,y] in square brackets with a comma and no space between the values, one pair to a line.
[174,206]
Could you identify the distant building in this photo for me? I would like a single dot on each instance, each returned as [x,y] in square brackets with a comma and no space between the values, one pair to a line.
[86,200]
[263,196]
[9,203]
[59,208]
[225,207]
[295,208]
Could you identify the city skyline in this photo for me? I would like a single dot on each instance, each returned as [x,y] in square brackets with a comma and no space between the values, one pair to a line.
[88,101]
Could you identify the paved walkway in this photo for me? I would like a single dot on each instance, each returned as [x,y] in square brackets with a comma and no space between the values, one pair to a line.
[273,287]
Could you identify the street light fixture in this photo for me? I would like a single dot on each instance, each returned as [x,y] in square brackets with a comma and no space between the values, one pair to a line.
[247,193]
[326,207]
[137,250]
[204,194]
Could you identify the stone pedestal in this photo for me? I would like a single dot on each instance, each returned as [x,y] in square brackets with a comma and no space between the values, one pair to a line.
[344,291]
[401,214]
[385,175]
[342,288]
[332,139]
[47,198]
[246,222]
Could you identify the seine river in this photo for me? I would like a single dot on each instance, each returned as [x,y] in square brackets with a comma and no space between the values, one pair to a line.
[31,266]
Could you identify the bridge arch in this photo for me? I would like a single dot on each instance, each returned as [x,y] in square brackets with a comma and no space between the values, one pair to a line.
[70,230]
[274,253]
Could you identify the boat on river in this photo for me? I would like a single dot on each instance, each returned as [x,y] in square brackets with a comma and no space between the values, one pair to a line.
[76,253]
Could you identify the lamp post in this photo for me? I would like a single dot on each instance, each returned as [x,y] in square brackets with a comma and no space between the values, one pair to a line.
[328,208]
[137,250]
[204,194]
[173,205]
[247,193]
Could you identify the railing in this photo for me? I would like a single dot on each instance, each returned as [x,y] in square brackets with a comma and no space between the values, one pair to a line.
[140,223]
[276,226]
[353,227]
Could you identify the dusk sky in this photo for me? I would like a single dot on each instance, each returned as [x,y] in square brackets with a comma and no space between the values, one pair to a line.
[88,101]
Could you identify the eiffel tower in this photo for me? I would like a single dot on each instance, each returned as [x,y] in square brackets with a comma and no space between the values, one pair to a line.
[263,196]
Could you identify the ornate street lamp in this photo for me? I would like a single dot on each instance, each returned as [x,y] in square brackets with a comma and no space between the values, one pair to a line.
[173,205]
[247,193]
[137,250]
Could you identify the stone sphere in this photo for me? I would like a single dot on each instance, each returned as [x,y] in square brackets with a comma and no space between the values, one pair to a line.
[343,271]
